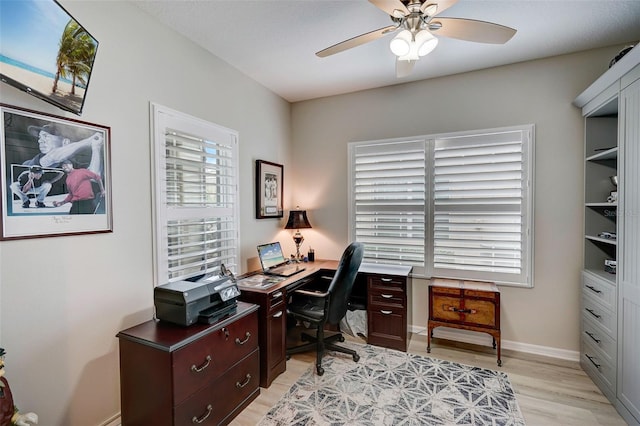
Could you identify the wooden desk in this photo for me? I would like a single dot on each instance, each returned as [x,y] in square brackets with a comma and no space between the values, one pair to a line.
[467,305]
[386,287]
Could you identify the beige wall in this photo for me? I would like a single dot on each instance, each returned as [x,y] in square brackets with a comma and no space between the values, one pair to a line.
[543,318]
[63,299]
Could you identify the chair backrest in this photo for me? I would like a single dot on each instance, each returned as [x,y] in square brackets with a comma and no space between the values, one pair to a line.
[342,283]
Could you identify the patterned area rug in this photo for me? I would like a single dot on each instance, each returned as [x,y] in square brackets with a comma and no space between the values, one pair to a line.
[388,387]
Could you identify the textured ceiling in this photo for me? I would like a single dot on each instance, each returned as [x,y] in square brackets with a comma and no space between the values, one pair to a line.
[274,41]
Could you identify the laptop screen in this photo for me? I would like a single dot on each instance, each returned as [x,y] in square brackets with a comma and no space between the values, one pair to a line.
[270,255]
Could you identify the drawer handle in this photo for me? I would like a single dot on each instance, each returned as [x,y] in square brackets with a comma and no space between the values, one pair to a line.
[204,365]
[460,311]
[593,313]
[247,379]
[386,296]
[592,361]
[592,337]
[592,288]
[276,295]
[385,312]
[242,342]
[203,417]
[386,280]
[277,314]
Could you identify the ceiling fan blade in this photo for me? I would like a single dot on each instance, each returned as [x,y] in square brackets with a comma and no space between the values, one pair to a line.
[472,30]
[390,7]
[440,5]
[356,41]
[404,68]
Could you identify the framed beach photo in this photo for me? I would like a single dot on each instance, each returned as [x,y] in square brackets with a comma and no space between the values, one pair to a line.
[269,189]
[55,175]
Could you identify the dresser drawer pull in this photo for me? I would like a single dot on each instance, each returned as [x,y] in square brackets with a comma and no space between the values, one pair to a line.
[592,288]
[592,337]
[593,313]
[386,296]
[242,342]
[277,314]
[204,365]
[592,361]
[204,417]
[247,379]
[460,311]
[385,312]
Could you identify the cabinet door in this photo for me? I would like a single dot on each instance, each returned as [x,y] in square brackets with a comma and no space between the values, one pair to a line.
[629,247]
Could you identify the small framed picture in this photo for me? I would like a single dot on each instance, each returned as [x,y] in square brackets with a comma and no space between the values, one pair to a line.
[269,187]
[55,173]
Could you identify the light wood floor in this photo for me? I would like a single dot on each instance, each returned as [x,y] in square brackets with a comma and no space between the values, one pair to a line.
[549,391]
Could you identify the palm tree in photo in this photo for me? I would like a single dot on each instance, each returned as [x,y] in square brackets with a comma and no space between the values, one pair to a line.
[75,56]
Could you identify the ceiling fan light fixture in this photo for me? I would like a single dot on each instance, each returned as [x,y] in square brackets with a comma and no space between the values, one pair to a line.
[425,43]
[401,44]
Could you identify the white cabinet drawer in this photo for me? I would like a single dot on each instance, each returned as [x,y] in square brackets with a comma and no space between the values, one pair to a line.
[597,366]
[593,310]
[595,335]
[599,289]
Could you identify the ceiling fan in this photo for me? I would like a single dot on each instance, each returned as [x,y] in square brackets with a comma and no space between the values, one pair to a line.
[418,22]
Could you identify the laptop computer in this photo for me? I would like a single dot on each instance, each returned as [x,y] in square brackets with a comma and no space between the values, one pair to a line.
[273,261]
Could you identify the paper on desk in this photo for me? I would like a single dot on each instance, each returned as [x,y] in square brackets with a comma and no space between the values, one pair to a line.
[259,281]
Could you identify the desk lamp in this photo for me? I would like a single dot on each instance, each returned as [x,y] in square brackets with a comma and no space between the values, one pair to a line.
[298,220]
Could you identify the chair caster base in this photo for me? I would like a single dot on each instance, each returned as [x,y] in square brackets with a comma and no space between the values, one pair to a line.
[356,357]
[320,370]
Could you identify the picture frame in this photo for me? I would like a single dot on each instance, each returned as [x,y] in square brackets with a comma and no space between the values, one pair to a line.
[269,189]
[55,175]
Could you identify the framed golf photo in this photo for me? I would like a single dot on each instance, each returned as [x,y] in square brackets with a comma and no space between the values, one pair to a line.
[56,175]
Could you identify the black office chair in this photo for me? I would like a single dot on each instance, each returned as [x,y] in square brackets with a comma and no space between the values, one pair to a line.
[320,307]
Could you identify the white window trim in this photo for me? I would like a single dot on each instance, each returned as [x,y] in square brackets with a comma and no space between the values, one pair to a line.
[160,116]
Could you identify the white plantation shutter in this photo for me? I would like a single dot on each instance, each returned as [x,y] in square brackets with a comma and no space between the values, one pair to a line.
[196,196]
[455,205]
[481,206]
[388,201]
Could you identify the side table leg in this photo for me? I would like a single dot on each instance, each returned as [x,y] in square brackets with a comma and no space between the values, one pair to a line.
[499,357]
[429,332]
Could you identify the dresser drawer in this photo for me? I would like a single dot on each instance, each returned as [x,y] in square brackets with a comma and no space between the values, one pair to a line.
[599,289]
[463,311]
[210,407]
[595,335]
[596,365]
[594,310]
[197,363]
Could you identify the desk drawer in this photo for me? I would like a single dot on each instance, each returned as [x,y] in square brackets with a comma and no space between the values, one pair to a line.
[464,311]
[387,327]
[197,363]
[211,406]
[386,296]
[382,282]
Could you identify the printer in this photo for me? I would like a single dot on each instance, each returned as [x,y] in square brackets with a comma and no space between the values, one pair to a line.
[204,301]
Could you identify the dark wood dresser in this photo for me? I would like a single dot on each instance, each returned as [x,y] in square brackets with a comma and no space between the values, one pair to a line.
[467,305]
[200,374]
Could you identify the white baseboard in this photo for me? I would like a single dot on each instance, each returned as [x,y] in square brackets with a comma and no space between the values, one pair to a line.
[113,421]
[486,340]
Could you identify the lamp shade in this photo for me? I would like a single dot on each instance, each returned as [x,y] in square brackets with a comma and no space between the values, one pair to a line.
[297,220]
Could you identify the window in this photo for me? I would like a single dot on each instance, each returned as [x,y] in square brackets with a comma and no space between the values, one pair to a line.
[388,201]
[476,211]
[195,196]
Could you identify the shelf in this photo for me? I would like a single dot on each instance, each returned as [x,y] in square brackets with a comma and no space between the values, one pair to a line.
[610,154]
[602,240]
[603,204]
